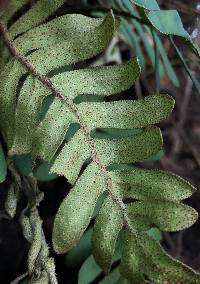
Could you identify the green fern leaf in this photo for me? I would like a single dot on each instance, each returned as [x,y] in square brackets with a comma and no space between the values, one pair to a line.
[37,15]
[42,51]
[156,205]
[69,48]
[146,258]
[106,230]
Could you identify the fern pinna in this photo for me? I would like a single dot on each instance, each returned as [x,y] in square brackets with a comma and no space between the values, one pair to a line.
[35,51]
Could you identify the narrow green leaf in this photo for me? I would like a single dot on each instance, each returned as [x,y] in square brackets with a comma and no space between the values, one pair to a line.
[139,113]
[73,155]
[51,131]
[82,250]
[167,216]
[89,271]
[99,203]
[74,83]
[76,210]
[129,36]
[129,150]
[152,185]
[59,30]
[156,64]
[145,40]
[107,226]
[3,166]
[167,64]
[180,56]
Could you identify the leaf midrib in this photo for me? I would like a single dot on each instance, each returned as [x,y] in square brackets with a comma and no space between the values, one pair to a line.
[73,107]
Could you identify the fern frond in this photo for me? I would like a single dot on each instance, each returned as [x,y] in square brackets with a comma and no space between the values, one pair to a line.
[154,197]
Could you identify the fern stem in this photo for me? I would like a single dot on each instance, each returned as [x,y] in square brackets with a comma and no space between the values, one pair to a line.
[19,278]
[73,107]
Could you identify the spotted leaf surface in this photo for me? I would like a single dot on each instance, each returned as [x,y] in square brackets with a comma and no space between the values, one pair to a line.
[76,210]
[68,133]
[146,257]
[153,199]
[107,227]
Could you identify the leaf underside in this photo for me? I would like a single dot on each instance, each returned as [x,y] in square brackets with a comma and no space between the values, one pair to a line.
[53,48]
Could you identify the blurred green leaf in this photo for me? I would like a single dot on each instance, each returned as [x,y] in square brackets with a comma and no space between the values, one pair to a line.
[190,73]
[155,233]
[122,281]
[129,35]
[79,253]
[147,4]
[168,22]
[42,172]
[23,164]
[145,40]
[158,156]
[89,271]
[156,60]
[167,64]
[112,278]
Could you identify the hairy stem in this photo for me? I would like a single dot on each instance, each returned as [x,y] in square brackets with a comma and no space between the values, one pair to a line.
[20,278]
